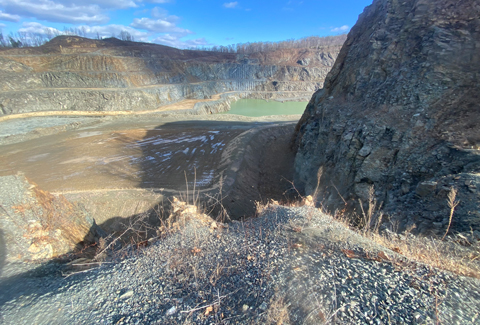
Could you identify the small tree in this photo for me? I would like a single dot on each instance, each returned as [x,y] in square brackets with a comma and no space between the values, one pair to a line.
[14,43]
[3,41]
[125,36]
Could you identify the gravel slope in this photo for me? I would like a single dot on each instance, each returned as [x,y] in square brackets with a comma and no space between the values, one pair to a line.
[244,273]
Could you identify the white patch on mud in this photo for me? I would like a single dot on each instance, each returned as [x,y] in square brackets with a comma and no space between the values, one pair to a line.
[38,157]
[164,156]
[80,160]
[159,141]
[205,179]
[217,146]
[72,175]
[87,134]
[113,159]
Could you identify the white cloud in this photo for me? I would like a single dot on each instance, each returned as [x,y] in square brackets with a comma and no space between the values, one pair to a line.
[162,22]
[2,25]
[160,13]
[105,4]
[230,5]
[56,11]
[65,11]
[343,28]
[114,30]
[175,41]
[158,26]
[39,29]
[89,16]
[9,17]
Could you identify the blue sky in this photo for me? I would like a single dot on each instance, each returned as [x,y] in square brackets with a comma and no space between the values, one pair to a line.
[183,23]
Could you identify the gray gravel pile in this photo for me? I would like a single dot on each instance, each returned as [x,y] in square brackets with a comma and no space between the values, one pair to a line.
[248,272]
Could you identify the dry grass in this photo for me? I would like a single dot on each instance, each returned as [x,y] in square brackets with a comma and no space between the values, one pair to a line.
[457,256]
[372,218]
[449,256]
[277,313]
[452,204]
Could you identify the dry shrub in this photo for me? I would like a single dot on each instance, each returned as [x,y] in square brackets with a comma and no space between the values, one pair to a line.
[259,208]
[262,207]
[277,313]
[452,204]
[372,218]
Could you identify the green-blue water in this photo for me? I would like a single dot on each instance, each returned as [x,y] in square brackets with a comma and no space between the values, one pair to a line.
[259,107]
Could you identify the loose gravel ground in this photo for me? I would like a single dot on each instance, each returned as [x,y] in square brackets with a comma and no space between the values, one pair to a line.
[294,265]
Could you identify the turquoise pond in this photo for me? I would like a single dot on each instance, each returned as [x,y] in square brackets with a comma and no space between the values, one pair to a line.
[259,107]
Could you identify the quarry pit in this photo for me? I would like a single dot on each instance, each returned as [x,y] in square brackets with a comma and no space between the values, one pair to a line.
[119,167]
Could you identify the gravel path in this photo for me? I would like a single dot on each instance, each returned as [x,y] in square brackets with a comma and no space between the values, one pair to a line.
[289,259]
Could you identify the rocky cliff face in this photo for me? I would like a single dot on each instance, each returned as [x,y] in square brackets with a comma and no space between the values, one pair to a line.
[400,112]
[73,73]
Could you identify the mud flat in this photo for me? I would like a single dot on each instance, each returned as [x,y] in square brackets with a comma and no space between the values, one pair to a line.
[120,166]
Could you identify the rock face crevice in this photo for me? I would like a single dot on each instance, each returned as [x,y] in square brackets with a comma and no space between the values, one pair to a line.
[73,73]
[399,111]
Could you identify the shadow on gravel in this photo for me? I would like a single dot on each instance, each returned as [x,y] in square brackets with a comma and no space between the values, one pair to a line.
[19,279]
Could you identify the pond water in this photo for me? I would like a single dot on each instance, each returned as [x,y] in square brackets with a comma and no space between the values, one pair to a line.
[260,107]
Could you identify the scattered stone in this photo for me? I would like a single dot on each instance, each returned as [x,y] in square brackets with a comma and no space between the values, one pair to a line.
[220,281]
[171,311]
[426,188]
[263,306]
[127,294]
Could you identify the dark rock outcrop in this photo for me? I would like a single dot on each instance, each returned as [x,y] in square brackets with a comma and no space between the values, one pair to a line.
[400,112]
[74,73]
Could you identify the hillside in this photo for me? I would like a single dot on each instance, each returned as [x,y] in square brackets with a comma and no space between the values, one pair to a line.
[74,73]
